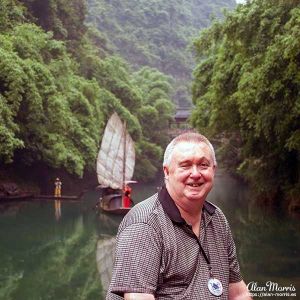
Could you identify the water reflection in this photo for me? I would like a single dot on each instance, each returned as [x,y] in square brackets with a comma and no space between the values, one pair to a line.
[44,259]
[269,248]
[57,209]
[41,258]
[268,245]
[105,257]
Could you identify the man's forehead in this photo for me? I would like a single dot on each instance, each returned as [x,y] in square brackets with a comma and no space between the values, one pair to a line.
[190,145]
[188,148]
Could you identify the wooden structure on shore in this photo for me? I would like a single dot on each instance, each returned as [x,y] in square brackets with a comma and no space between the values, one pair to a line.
[180,123]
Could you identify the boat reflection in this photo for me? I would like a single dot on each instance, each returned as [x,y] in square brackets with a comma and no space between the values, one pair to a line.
[105,255]
[107,227]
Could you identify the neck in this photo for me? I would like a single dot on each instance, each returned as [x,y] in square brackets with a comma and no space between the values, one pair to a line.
[190,211]
[192,217]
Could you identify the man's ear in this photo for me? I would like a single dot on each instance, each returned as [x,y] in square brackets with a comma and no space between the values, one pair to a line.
[215,169]
[166,172]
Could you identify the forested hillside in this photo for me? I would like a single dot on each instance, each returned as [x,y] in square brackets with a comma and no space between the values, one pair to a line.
[59,83]
[156,33]
[62,78]
[246,93]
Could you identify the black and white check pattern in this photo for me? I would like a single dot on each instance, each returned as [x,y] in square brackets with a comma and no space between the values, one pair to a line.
[158,254]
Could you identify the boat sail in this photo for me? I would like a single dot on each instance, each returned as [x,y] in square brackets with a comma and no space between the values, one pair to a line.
[115,162]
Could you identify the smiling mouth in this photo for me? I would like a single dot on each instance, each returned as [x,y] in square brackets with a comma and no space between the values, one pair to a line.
[194,184]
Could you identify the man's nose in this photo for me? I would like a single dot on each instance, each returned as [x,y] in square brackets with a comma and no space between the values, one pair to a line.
[195,171]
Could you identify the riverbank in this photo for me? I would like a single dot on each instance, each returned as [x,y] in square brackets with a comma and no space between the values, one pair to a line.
[39,179]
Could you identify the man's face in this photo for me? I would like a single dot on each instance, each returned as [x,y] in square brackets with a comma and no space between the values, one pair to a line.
[190,174]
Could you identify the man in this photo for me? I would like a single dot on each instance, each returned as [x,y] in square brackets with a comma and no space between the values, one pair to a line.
[176,245]
[57,190]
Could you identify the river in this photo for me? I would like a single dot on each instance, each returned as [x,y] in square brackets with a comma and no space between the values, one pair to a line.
[49,251]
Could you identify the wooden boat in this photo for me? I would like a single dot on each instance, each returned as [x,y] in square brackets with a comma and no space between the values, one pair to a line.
[115,166]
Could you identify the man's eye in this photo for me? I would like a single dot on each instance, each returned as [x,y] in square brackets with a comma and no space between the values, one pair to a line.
[204,165]
[185,166]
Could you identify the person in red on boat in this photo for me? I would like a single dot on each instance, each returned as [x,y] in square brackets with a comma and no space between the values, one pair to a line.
[127,196]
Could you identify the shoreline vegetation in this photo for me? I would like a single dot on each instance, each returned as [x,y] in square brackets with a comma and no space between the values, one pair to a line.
[66,66]
[246,95]
[58,86]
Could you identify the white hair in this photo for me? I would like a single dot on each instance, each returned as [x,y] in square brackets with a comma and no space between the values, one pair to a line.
[193,137]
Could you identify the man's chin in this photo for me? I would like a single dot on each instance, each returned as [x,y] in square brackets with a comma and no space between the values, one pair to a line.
[195,196]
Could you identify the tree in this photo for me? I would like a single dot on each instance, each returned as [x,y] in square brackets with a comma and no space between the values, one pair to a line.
[49,112]
[11,14]
[157,109]
[246,92]
[58,88]
[65,18]
[155,33]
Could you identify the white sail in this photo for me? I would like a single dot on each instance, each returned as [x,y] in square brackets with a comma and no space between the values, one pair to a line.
[110,160]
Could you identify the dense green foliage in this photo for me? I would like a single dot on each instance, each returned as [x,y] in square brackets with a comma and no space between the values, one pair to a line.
[155,114]
[64,18]
[59,87]
[155,33]
[48,109]
[246,92]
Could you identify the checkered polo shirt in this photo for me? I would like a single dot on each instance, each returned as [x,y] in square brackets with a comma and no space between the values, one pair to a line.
[157,252]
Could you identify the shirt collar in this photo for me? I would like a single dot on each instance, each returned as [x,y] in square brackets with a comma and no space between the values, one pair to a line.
[172,210]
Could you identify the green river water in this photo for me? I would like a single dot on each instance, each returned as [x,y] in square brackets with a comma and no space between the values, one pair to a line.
[47,255]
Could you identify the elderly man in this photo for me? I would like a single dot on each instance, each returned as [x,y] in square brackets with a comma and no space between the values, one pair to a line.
[176,245]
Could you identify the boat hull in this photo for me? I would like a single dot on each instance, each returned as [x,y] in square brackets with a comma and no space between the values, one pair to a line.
[113,204]
[117,211]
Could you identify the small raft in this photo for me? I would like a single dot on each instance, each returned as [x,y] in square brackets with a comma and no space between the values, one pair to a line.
[62,197]
[57,198]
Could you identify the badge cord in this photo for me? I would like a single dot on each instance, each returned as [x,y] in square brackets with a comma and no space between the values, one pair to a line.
[214,285]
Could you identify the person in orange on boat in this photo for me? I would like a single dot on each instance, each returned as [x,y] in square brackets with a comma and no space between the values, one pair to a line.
[57,190]
[127,196]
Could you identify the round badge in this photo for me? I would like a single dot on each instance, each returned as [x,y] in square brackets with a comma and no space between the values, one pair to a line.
[215,286]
